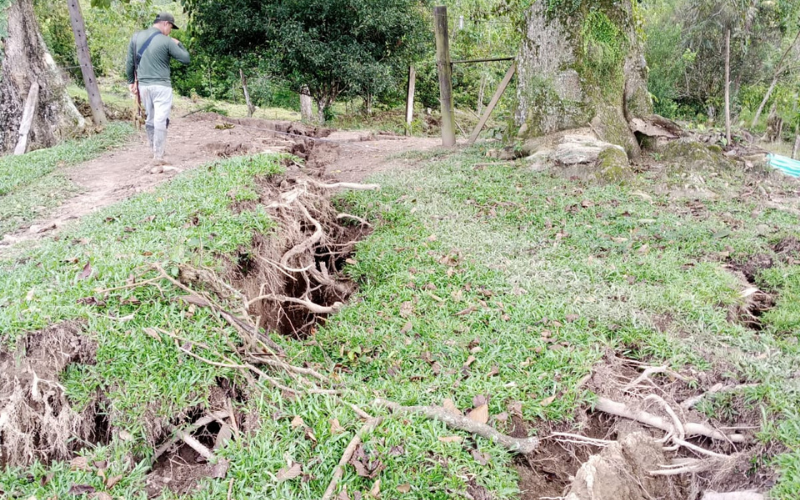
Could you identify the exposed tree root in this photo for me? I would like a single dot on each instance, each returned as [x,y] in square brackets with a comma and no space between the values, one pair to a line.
[691,402]
[314,308]
[369,426]
[459,422]
[606,405]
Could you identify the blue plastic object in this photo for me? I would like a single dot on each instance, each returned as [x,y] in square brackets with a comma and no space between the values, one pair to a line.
[784,164]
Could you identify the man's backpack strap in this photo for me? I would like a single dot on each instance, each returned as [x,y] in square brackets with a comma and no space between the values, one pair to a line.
[138,58]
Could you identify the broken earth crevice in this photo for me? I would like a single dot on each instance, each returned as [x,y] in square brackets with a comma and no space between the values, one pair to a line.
[37,422]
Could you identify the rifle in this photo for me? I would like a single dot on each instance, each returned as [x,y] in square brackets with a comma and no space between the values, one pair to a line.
[139,116]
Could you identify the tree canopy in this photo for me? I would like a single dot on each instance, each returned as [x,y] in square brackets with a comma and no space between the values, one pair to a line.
[329,47]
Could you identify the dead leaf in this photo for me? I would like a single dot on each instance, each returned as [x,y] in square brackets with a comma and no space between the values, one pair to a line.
[404,488]
[469,361]
[466,311]
[479,400]
[587,203]
[450,439]
[436,367]
[336,428]
[125,436]
[501,417]
[102,495]
[79,463]
[152,332]
[87,271]
[375,491]
[310,436]
[297,421]
[195,299]
[407,328]
[547,401]
[291,473]
[494,371]
[225,435]
[515,408]
[112,481]
[479,414]
[220,469]
[448,405]
[397,451]
[406,309]
[481,458]
[80,489]
[363,465]
[343,494]
[570,318]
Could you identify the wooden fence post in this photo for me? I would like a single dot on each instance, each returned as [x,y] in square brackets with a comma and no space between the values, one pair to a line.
[412,82]
[85,60]
[445,81]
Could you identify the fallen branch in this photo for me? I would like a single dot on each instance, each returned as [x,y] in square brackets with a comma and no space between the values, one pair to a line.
[606,405]
[348,454]
[734,495]
[459,422]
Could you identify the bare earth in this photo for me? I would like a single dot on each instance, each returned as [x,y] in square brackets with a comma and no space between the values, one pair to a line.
[197,139]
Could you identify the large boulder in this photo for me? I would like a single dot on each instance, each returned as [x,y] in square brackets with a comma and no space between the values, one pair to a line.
[582,66]
[580,155]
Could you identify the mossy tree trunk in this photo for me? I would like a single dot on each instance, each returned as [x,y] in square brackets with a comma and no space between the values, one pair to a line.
[25,60]
[582,66]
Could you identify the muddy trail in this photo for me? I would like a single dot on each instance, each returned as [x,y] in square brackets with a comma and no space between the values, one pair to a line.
[199,138]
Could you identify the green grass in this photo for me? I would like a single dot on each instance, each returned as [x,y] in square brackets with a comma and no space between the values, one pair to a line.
[532,257]
[33,183]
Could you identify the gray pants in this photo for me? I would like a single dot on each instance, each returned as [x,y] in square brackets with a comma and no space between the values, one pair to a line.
[157,102]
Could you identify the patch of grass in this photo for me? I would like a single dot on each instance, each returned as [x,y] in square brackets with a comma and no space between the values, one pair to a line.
[498,282]
[31,184]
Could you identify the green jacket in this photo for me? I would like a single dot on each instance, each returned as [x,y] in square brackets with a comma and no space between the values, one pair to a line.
[154,65]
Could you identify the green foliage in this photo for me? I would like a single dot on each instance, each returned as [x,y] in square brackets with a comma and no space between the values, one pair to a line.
[685,42]
[604,45]
[354,47]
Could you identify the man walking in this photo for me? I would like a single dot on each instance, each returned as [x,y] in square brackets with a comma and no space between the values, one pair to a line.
[149,54]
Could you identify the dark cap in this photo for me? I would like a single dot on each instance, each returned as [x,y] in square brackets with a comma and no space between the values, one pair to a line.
[166,16]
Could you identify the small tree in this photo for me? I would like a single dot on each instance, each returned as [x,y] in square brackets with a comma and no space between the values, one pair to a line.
[327,46]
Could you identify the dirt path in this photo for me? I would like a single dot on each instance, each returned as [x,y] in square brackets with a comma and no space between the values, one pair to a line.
[198,139]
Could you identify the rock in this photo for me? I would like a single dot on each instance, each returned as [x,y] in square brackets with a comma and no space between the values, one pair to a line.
[621,472]
[686,155]
[169,168]
[540,160]
[590,158]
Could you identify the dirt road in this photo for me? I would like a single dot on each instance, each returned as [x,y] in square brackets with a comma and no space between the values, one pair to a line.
[197,139]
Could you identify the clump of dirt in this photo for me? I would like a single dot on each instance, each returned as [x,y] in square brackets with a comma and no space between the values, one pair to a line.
[36,420]
[228,149]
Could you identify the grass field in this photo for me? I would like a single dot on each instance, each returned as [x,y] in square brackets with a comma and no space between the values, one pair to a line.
[33,184]
[479,283]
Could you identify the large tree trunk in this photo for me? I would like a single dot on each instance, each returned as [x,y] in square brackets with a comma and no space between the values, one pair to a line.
[584,68]
[25,60]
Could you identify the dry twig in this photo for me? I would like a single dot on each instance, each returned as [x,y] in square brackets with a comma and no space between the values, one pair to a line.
[454,421]
[369,426]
